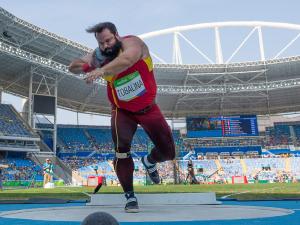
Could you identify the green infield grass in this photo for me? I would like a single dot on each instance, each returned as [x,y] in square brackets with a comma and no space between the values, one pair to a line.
[236,191]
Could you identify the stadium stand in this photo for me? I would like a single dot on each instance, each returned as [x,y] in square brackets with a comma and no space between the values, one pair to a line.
[21,169]
[11,124]
[215,159]
[15,132]
[74,138]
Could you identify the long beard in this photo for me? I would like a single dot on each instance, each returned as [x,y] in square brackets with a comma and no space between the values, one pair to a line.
[113,51]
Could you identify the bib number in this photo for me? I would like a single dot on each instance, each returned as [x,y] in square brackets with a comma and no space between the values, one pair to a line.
[129,87]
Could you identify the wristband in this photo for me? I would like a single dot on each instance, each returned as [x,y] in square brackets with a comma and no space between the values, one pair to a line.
[87,68]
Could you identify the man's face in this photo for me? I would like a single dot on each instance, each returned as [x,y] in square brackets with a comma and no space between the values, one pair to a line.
[109,43]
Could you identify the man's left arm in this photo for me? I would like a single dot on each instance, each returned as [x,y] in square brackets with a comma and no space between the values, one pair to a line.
[132,52]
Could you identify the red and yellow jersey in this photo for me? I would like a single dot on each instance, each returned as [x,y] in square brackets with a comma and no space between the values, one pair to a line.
[133,89]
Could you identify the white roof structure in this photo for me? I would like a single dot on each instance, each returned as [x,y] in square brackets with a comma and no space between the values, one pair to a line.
[265,86]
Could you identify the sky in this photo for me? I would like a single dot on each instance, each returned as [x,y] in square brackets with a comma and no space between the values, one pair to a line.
[70,18]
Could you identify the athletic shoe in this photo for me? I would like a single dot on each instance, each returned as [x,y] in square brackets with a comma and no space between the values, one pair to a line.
[132,205]
[152,171]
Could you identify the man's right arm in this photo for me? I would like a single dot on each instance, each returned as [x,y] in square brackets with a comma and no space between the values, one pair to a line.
[82,65]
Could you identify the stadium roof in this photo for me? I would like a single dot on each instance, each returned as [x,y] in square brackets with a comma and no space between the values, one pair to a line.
[259,87]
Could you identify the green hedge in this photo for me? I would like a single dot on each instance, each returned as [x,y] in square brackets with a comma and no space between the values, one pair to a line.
[18,183]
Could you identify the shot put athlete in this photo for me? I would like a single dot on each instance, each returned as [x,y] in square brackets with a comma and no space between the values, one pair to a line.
[126,65]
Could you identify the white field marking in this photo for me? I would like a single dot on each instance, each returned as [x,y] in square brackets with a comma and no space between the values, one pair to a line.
[75,191]
[243,192]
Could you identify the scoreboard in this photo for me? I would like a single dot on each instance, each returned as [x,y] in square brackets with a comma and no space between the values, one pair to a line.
[239,126]
[223,126]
